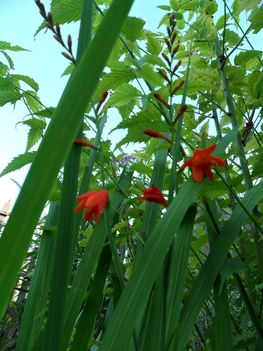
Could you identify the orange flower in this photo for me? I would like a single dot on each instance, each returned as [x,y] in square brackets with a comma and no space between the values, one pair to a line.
[83,142]
[153,194]
[155,134]
[202,161]
[94,202]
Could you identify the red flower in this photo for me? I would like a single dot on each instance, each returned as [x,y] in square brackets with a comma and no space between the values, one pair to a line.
[83,142]
[202,161]
[153,194]
[94,202]
[155,134]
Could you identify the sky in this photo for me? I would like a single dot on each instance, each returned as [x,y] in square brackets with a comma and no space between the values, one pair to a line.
[43,62]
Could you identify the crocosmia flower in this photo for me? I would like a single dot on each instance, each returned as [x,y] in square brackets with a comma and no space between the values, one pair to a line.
[94,202]
[202,161]
[153,194]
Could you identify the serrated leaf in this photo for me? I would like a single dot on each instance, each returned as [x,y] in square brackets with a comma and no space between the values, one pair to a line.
[32,100]
[47,112]
[7,96]
[68,70]
[132,28]
[18,162]
[243,58]
[8,58]
[33,136]
[123,94]
[5,45]
[164,7]
[241,5]
[28,80]
[66,11]
[148,74]
[231,37]
[256,19]
[35,123]
[153,45]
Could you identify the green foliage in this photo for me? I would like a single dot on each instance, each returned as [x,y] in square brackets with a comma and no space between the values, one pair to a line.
[186,277]
[18,162]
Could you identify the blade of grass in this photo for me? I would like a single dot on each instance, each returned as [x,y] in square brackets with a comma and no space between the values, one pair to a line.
[18,232]
[33,315]
[87,319]
[212,266]
[67,232]
[223,330]
[177,270]
[150,262]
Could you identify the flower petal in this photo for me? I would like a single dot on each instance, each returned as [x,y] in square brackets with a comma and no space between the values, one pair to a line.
[198,174]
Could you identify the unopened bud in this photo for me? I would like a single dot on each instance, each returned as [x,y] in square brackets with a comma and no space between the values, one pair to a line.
[67,56]
[180,113]
[177,87]
[168,44]
[173,37]
[168,31]
[175,50]
[102,99]
[166,58]
[70,43]
[164,75]
[176,66]
[58,29]
[161,99]
[50,20]
[58,38]
[82,142]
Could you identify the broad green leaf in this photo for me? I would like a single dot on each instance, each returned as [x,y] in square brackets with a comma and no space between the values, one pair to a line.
[243,58]
[123,94]
[8,58]
[66,11]
[18,162]
[241,5]
[29,81]
[9,96]
[164,7]
[33,136]
[153,44]
[132,28]
[5,45]
[231,37]
[256,19]
[35,123]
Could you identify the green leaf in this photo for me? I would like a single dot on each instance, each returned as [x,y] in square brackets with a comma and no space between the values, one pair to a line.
[33,136]
[241,5]
[164,7]
[204,282]
[153,45]
[18,162]
[132,28]
[35,123]
[47,112]
[5,45]
[256,19]
[123,94]
[9,95]
[231,37]
[243,58]
[66,11]
[29,81]
[8,58]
